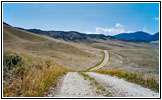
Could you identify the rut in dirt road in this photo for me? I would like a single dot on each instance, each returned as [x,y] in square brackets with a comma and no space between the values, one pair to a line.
[121,88]
[74,85]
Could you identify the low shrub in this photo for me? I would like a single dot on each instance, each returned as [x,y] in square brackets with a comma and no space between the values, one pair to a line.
[10,61]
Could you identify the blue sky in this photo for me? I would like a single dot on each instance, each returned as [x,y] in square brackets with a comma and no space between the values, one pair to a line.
[94,18]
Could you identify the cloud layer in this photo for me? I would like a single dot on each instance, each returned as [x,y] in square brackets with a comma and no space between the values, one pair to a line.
[119,28]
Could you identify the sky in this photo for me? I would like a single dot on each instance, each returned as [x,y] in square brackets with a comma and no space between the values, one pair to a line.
[90,18]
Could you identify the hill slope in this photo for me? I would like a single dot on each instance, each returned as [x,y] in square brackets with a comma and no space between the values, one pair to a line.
[73,55]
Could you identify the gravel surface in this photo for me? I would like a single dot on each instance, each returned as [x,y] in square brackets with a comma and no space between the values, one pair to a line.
[121,88]
[74,85]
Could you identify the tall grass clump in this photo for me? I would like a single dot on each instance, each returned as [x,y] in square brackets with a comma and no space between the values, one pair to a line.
[26,76]
[137,78]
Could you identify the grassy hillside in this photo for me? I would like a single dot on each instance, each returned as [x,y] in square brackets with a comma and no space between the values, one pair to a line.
[19,35]
[132,57]
[73,55]
[32,63]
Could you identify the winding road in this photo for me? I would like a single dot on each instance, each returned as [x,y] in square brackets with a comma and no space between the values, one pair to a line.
[104,61]
[74,85]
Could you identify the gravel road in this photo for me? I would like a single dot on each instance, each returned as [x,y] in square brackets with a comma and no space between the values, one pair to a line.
[74,85]
[104,61]
[121,88]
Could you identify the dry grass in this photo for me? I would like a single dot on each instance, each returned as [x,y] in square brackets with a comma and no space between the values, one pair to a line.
[76,56]
[133,57]
[150,82]
[142,57]
[137,60]
[38,75]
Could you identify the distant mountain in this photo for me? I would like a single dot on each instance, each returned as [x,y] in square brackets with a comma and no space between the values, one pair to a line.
[74,36]
[99,36]
[138,36]
[70,35]
[155,37]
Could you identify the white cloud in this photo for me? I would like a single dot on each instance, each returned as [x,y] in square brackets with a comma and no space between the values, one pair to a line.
[89,32]
[119,25]
[157,18]
[110,31]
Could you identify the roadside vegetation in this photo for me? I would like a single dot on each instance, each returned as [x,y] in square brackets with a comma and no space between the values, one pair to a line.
[100,89]
[27,76]
[137,78]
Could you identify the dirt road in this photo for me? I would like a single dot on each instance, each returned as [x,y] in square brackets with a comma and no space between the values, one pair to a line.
[104,61]
[121,88]
[74,85]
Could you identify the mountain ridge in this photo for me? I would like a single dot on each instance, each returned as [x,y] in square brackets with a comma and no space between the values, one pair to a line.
[138,36]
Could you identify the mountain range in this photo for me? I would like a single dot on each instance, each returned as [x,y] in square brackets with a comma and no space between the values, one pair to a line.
[70,35]
[138,36]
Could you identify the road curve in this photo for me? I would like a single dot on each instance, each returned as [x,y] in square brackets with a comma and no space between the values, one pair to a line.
[104,61]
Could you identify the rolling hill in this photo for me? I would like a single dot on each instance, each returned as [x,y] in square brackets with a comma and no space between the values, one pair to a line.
[73,55]
[138,36]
